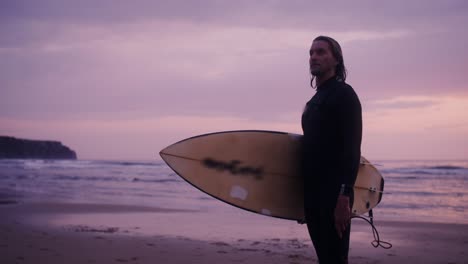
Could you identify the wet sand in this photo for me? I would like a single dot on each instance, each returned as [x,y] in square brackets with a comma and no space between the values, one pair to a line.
[93,233]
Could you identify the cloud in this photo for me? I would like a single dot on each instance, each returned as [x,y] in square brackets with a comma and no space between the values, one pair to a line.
[268,13]
[437,130]
[402,102]
[421,127]
[105,63]
[143,68]
[138,138]
[419,114]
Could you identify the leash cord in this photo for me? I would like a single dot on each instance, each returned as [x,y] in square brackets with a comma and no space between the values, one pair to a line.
[377,242]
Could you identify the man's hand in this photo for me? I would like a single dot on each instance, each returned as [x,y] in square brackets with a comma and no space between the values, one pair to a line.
[342,214]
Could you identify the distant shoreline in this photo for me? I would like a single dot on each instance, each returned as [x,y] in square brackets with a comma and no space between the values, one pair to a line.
[18,148]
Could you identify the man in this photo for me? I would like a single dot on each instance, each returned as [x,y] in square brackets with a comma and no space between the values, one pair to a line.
[332,126]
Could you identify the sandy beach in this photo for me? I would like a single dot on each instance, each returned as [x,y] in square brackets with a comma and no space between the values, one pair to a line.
[93,233]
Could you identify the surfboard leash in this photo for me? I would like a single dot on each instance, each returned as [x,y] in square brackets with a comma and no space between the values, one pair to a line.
[377,242]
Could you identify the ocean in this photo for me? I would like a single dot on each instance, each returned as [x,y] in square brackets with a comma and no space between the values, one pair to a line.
[427,191]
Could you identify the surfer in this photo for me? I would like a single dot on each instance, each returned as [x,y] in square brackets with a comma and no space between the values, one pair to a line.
[332,126]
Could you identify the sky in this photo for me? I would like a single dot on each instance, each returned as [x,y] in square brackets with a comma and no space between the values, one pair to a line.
[121,80]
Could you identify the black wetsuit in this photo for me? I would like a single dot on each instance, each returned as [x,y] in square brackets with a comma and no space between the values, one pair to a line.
[332,126]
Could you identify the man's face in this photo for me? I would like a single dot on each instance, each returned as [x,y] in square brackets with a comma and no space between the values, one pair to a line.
[321,61]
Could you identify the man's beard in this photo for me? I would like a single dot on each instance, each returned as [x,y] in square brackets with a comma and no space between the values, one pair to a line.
[316,72]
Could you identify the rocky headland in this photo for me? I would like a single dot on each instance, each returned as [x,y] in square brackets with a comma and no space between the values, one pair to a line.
[16,148]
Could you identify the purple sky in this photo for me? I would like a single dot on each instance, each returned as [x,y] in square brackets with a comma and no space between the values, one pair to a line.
[123,79]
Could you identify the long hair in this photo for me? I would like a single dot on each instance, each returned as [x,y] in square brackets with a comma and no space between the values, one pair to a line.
[335,47]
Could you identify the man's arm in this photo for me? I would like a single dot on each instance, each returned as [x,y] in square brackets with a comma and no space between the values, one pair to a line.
[350,118]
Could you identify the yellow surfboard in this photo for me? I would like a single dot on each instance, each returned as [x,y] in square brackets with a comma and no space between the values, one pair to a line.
[258,171]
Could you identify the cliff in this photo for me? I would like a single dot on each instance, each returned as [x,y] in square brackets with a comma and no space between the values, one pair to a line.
[15,148]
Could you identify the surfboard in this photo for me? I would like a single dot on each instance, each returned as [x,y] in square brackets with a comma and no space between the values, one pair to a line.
[258,171]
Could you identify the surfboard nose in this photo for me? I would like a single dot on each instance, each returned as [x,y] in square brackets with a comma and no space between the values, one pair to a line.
[163,152]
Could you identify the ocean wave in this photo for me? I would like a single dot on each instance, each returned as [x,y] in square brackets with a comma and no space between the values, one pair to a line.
[409,178]
[425,193]
[89,178]
[435,170]
[72,164]
[155,180]
[107,179]
[403,206]
[22,177]
[130,163]
[447,168]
